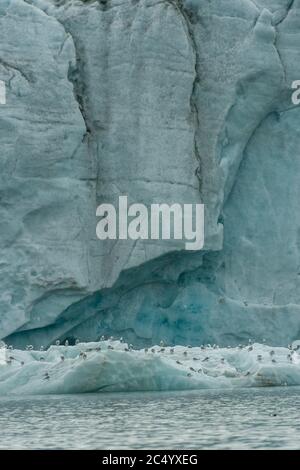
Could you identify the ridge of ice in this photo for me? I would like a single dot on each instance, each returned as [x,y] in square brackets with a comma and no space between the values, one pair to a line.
[111,365]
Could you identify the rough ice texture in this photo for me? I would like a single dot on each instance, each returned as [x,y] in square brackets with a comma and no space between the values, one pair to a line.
[165,101]
[110,366]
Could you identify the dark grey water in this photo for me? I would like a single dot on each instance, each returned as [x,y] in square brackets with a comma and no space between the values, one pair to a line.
[237,419]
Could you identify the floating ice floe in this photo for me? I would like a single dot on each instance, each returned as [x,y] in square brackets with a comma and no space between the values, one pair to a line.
[113,366]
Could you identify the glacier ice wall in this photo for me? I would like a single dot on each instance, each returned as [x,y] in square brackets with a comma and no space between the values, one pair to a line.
[173,101]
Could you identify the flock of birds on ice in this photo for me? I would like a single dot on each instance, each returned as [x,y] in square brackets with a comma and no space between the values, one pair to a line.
[265,365]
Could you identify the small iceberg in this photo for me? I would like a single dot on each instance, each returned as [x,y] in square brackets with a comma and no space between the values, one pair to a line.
[113,366]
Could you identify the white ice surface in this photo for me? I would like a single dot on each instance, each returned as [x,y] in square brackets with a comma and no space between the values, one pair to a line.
[141,370]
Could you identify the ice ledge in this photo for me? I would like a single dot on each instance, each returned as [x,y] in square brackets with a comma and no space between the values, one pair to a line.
[112,366]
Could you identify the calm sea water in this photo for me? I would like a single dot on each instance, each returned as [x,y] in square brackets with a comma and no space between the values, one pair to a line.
[237,419]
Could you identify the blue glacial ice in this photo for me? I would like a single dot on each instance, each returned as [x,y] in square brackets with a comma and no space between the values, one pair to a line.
[163,101]
[114,366]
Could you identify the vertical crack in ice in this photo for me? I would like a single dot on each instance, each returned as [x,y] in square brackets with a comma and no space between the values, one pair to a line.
[76,87]
[289,8]
[179,7]
[279,56]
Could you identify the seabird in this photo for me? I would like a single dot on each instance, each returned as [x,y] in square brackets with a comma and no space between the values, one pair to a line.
[77,341]
[126,350]
[189,374]
[162,344]
[272,353]
[189,346]
[162,350]
[250,348]
[178,362]
[10,347]
[247,374]
[110,347]
[222,360]
[153,350]
[42,358]
[57,342]
[196,359]
[66,343]
[274,360]
[42,348]
[192,369]
[46,376]
[206,359]
[102,338]
[62,357]
[84,356]
[185,353]
[146,350]
[98,349]
[172,350]
[22,363]
[259,357]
